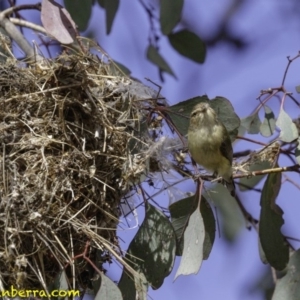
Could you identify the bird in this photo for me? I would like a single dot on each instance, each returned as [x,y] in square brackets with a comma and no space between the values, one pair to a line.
[209,143]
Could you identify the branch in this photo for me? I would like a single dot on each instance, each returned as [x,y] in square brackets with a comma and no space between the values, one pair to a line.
[14,9]
[290,60]
[27,24]
[293,168]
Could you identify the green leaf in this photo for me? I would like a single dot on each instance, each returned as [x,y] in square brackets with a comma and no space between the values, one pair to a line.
[111,8]
[135,288]
[180,113]
[192,255]
[189,45]
[263,285]
[271,239]
[60,282]
[232,219]
[63,281]
[247,183]
[180,212]
[108,290]
[298,89]
[288,287]
[154,56]
[170,14]
[288,128]
[268,126]
[251,123]
[227,115]
[127,286]
[80,12]
[152,251]
[102,3]
[262,254]
[210,227]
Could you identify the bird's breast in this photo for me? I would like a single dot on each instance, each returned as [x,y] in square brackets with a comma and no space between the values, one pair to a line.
[204,146]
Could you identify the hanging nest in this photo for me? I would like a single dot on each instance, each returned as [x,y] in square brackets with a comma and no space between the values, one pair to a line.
[73,141]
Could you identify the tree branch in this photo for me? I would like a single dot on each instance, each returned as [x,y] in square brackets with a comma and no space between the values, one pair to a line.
[27,24]
[293,168]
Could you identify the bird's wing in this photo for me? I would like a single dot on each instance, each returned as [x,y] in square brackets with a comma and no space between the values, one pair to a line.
[226,147]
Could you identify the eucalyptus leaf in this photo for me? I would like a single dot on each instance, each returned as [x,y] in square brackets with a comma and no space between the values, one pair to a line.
[232,220]
[127,286]
[58,22]
[189,45]
[102,3]
[108,290]
[154,56]
[60,282]
[180,212]
[288,287]
[180,113]
[111,7]
[262,254]
[152,251]
[251,123]
[63,281]
[268,125]
[192,255]
[248,183]
[272,241]
[227,115]
[170,14]
[288,129]
[80,12]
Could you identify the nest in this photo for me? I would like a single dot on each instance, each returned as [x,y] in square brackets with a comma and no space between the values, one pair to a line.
[73,141]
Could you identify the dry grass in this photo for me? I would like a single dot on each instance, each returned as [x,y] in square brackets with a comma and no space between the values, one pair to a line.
[73,140]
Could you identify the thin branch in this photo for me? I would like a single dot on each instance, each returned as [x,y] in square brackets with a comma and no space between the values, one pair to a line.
[13,9]
[287,178]
[294,168]
[290,60]
[251,140]
[27,24]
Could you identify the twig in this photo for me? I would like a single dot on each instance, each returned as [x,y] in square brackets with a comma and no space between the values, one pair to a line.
[27,24]
[292,181]
[294,168]
[290,60]
[13,9]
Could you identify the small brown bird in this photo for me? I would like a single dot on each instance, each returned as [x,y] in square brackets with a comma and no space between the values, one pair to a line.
[209,143]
